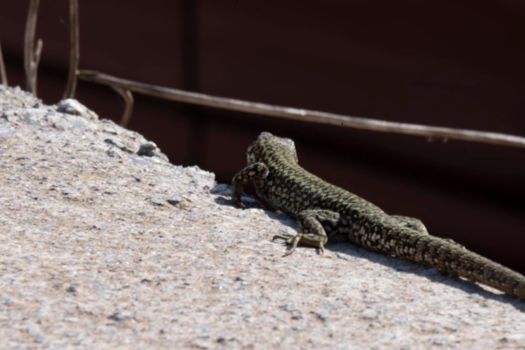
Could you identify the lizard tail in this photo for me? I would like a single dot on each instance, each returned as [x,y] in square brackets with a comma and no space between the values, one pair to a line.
[454,259]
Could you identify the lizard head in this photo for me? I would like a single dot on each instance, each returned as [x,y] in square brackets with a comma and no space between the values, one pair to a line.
[267,145]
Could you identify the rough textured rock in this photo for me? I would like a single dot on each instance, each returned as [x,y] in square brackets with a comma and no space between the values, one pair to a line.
[101,247]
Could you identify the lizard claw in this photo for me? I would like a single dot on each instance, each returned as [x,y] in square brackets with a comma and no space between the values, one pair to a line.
[289,252]
[320,249]
[290,240]
[239,204]
[286,237]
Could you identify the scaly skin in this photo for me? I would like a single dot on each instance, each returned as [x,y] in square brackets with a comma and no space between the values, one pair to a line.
[325,211]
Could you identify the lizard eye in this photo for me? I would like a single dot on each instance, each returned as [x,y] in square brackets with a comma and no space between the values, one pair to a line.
[251,158]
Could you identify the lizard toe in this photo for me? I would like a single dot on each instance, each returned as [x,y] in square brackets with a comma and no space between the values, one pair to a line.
[287,238]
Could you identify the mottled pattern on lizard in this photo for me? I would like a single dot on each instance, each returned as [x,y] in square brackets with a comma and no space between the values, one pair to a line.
[325,212]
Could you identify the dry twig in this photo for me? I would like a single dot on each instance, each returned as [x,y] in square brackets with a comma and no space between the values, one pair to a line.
[127,96]
[74,49]
[31,52]
[3,74]
[304,115]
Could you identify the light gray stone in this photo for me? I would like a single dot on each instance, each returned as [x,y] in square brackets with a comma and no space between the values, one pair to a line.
[89,261]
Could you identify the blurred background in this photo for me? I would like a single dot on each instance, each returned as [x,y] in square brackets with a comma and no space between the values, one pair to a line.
[447,63]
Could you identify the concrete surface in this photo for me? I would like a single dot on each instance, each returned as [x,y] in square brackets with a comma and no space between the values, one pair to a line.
[101,247]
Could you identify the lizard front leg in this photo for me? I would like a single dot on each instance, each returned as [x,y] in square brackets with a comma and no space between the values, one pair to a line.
[312,231]
[256,172]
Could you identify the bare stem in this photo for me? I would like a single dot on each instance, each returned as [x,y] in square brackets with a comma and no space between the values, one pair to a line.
[3,74]
[31,52]
[74,49]
[304,115]
[127,96]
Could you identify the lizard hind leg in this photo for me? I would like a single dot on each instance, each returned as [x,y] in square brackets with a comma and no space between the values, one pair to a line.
[312,231]
[411,223]
[417,225]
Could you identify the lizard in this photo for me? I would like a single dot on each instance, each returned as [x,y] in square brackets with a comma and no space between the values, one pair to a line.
[326,212]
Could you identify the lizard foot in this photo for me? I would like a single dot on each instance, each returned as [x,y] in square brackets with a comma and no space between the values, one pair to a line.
[290,240]
[293,240]
[239,204]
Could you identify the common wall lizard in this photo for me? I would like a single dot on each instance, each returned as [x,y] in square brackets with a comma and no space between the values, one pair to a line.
[324,212]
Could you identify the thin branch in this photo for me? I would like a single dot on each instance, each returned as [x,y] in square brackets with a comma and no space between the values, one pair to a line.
[3,74]
[127,96]
[74,49]
[305,115]
[32,52]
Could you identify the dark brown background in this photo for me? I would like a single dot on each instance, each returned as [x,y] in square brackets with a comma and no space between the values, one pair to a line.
[450,63]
